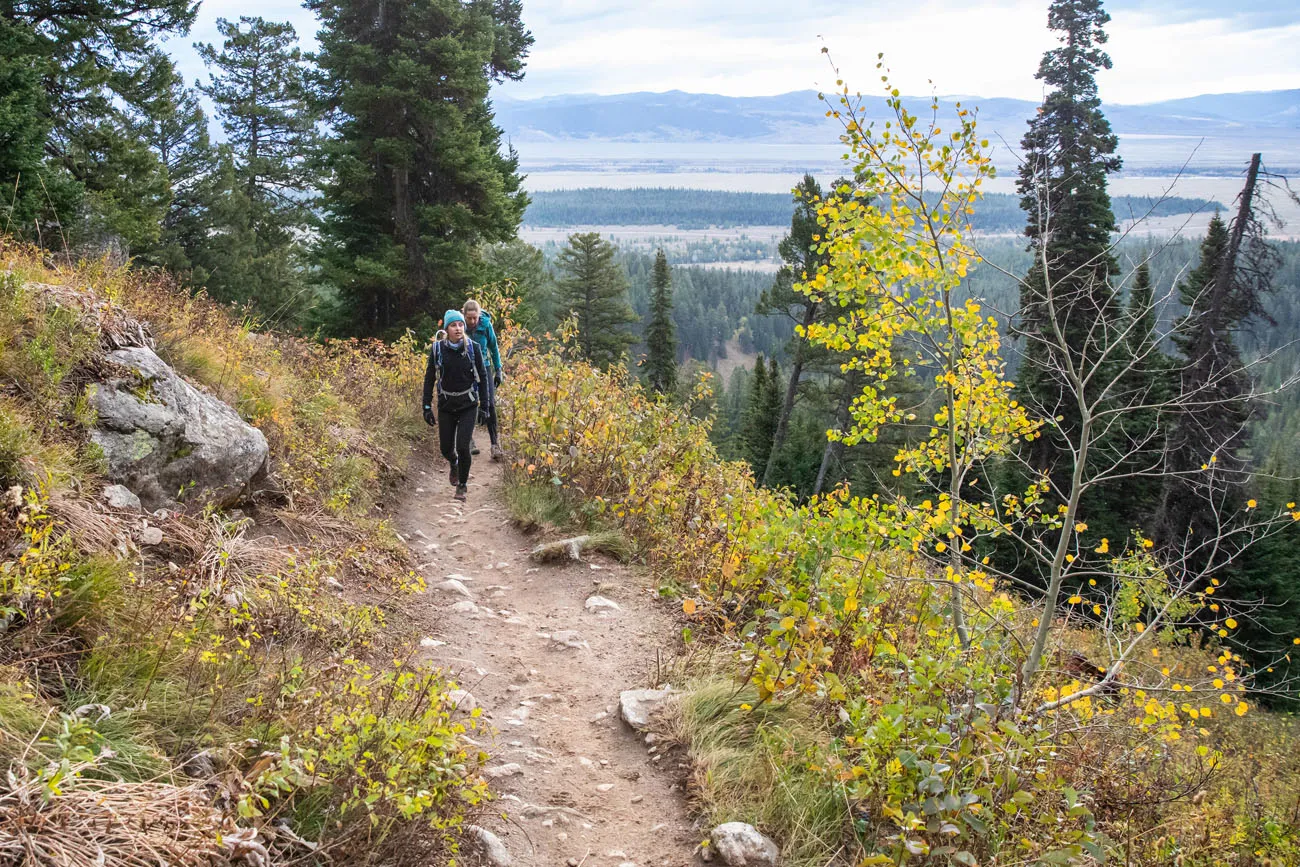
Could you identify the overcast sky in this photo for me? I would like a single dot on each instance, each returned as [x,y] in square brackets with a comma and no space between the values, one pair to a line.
[1162,49]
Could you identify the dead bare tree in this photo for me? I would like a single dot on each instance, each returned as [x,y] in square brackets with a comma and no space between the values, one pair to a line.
[1132,588]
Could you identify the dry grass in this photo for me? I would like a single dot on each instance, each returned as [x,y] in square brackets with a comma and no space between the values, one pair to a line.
[94,527]
[220,552]
[752,766]
[117,824]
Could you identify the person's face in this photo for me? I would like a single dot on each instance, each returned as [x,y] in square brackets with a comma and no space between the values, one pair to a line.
[471,319]
[455,331]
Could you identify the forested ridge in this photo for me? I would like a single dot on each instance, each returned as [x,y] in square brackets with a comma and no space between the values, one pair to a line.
[695,209]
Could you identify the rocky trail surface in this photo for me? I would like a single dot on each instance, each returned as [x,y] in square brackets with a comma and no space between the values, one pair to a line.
[545,650]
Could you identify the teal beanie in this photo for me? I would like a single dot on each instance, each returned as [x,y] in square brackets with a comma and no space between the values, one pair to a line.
[452,316]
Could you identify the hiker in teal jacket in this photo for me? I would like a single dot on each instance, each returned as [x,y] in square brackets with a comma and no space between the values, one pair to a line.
[478,325]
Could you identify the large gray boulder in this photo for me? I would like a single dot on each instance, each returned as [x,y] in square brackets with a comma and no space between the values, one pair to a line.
[169,442]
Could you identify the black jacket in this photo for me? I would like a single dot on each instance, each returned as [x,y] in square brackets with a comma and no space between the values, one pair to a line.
[457,375]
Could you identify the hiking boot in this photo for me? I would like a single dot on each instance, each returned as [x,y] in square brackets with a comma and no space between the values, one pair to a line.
[497,452]
[473,449]
[460,493]
[454,476]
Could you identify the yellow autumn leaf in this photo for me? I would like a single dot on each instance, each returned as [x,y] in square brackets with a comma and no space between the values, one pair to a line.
[688,605]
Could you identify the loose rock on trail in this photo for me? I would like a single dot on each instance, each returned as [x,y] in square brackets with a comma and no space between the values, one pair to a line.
[546,664]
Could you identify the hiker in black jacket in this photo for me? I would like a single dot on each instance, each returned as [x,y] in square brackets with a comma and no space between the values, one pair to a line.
[456,369]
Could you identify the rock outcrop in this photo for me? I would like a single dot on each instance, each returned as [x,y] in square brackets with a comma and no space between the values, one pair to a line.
[170,443]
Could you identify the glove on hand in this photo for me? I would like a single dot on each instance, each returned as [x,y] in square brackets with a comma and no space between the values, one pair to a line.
[429,418]
[496,379]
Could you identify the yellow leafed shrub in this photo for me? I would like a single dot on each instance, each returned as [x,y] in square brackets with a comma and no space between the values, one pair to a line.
[843,604]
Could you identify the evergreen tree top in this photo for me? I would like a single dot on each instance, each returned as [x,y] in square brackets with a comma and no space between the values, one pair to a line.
[662,275]
[1071,67]
[660,335]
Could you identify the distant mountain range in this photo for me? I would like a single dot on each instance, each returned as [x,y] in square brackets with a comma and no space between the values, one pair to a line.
[798,117]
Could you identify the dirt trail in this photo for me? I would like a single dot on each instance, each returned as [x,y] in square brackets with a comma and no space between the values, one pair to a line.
[576,784]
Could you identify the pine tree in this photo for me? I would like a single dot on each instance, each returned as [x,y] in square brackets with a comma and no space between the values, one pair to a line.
[833,450]
[728,431]
[660,337]
[1207,472]
[1205,344]
[175,126]
[765,393]
[1141,312]
[258,84]
[756,430]
[771,408]
[593,289]
[23,130]
[1224,291]
[1138,445]
[97,65]
[524,266]
[417,177]
[798,252]
[1069,151]
[125,184]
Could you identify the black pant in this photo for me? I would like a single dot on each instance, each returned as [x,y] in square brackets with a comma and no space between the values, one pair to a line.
[492,423]
[454,431]
[490,398]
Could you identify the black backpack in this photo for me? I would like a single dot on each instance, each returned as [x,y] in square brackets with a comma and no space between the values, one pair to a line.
[471,349]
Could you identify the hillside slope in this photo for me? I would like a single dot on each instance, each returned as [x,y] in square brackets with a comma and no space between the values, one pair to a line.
[206,685]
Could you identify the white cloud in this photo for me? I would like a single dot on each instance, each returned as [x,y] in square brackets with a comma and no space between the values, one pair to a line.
[758,47]
[755,53]
[1156,60]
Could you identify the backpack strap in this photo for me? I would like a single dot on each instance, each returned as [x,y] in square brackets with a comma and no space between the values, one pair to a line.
[471,349]
[437,360]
